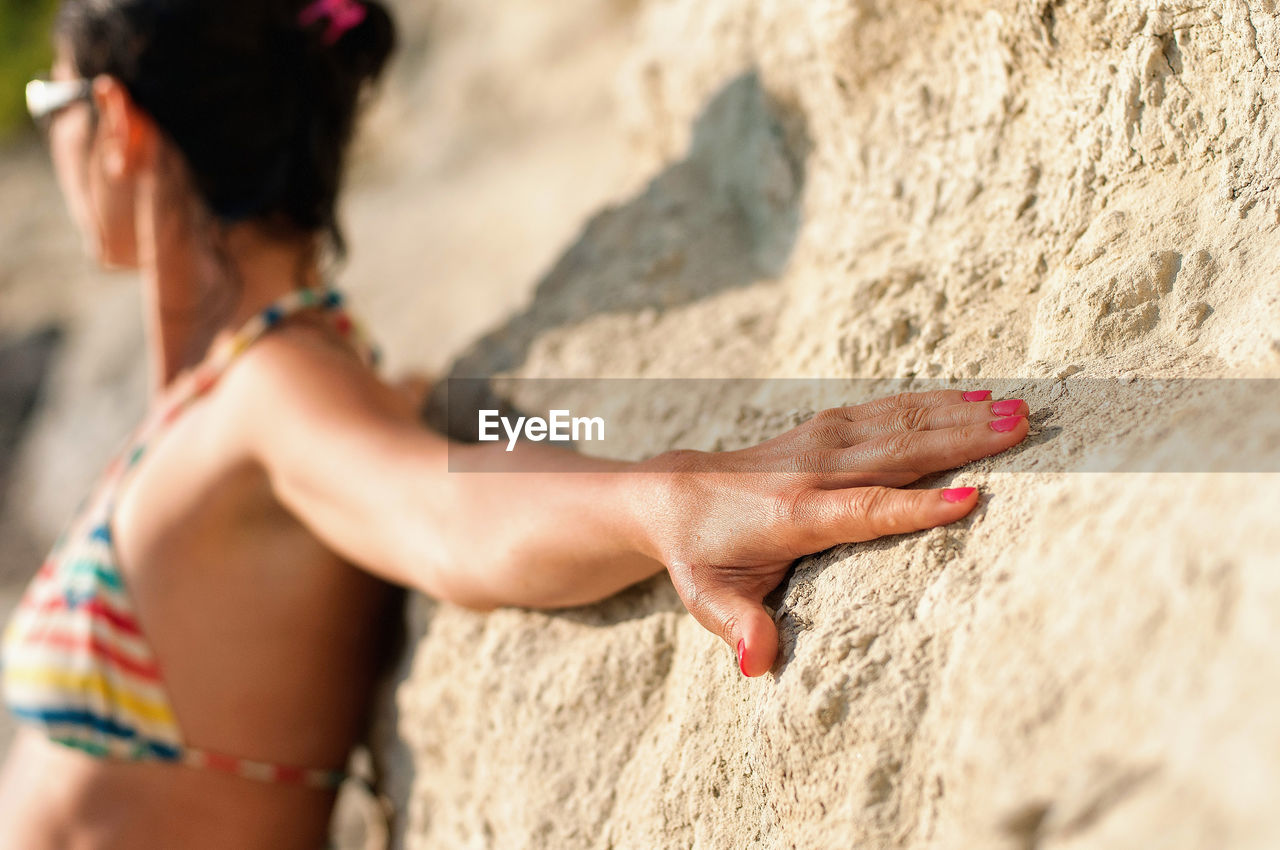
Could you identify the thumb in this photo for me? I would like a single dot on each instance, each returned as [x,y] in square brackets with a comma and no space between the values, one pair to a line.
[733,608]
[749,630]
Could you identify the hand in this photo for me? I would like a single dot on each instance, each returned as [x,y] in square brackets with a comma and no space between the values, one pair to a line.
[728,525]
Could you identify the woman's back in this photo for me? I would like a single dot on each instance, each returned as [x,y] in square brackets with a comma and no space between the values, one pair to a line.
[265,640]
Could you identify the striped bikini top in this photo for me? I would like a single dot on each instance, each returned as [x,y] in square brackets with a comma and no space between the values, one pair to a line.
[76,662]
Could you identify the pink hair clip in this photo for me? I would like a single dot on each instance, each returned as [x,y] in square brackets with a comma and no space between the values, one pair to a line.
[342,15]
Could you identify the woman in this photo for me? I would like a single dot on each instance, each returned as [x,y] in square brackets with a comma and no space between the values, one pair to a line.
[194,658]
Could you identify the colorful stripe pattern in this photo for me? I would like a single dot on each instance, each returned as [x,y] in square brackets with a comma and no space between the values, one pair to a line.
[76,662]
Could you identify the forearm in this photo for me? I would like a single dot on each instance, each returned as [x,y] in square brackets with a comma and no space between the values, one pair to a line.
[510,536]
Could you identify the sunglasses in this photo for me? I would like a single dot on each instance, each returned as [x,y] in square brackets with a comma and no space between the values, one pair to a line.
[46,98]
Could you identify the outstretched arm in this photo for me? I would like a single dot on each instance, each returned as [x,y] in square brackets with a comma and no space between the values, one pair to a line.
[348,456]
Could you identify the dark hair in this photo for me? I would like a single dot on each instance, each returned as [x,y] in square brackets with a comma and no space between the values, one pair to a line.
[261,107]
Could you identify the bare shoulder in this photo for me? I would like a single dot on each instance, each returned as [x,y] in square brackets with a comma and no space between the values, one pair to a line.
[301,378]
[294,361]
[342,450]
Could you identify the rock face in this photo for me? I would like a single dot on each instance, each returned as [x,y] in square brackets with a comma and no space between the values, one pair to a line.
[1059,198]
[1066,190]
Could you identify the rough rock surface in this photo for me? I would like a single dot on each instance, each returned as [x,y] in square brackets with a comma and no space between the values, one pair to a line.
[1044,193]
[862,189]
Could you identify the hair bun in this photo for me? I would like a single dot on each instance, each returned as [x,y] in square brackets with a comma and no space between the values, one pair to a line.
[260,96]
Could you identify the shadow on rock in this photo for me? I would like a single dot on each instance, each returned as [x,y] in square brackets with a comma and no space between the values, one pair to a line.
[24,370]
[24,365]
[740,185]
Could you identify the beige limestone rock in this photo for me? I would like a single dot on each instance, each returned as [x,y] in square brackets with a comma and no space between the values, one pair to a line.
[1066,190]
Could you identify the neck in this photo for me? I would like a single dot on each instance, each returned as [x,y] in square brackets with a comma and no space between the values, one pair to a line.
[194,299]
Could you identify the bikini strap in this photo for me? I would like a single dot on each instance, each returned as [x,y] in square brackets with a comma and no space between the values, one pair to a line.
[264,771]
[330,300]
[206,375]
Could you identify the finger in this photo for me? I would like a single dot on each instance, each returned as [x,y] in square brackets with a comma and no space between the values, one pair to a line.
[900,458]
[859,514]
[735,613]
[903,401]
[744,625]
[926,419]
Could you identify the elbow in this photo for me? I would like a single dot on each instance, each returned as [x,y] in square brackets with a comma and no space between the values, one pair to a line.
[468,599]
[450,586]
[480,606]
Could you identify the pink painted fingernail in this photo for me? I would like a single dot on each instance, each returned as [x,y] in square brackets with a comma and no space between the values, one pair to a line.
[1004,408]
[958,494]
[977,395]
[1008,424]
[742,655]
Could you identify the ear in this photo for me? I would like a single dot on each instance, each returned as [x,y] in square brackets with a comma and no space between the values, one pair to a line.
[125,133]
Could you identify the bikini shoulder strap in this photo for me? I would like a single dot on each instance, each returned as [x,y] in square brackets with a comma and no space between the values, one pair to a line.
[330,300]
[206,375]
